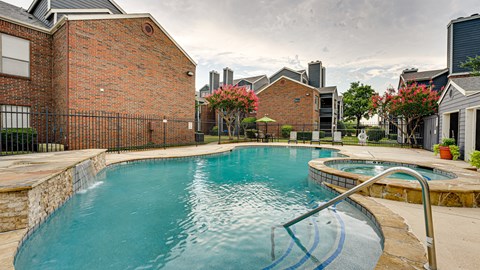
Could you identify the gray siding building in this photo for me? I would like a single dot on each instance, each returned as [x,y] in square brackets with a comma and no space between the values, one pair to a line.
[463,42]
[51,11]
[459,111]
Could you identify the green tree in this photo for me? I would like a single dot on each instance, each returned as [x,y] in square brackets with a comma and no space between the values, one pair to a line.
[472,63]
[357,102]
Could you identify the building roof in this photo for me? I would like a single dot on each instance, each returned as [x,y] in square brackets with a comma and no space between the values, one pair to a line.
[290,79]
[327,89]
[467,86]
[423,75]
[249,79]
[19,14]
[462,19]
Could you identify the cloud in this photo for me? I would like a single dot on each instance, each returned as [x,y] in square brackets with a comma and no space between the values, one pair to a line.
[367,40]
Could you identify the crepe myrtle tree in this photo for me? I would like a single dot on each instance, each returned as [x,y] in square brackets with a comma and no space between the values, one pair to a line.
[412,102]
[231,102]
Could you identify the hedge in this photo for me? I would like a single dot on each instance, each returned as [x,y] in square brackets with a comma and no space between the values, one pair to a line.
[375,134]
[18,138]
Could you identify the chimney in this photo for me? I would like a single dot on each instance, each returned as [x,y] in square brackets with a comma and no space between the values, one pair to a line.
[227,76]
[214,81]
[315,74]
[410,70]
[324,77]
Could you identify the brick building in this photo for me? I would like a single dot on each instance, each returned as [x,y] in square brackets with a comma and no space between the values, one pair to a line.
[298,98]
[76,56]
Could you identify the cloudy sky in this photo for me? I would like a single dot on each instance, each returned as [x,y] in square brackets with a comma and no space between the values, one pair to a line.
[370,41]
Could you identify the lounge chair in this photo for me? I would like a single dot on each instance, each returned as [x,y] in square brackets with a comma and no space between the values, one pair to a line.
[260,136]
[337,137]
[315,137]
[293,137]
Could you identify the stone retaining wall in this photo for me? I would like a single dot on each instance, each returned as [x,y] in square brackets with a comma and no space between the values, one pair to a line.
[449,193]
[27,207]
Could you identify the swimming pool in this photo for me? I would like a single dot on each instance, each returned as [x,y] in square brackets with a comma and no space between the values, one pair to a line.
[211,212]
[372,168]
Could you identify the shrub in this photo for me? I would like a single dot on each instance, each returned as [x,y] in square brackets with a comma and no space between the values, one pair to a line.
[393,137]
[18,138]
[342,128]
[251,133]
[304,135]
[455,151]
[214,131]
[322,134]
[249,122]
[286,129]
[447,142]
[475,159]
[375,134]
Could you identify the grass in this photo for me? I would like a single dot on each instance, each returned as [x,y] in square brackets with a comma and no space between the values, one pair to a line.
[348,140]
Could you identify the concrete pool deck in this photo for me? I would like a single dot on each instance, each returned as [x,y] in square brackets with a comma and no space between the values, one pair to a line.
[457,246]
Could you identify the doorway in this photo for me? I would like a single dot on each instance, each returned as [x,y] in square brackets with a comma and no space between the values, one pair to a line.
[453,130]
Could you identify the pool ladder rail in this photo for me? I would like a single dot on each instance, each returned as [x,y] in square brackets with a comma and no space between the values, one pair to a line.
[427,208]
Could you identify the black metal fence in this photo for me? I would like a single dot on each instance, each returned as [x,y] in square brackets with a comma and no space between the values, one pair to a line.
[377,134]
[23,131]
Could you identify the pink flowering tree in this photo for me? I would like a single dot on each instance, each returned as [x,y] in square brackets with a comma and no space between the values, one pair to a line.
[411,103]
[231,102]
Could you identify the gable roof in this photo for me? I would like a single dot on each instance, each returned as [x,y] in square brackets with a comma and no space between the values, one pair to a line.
[289,69]
[251,80]
[423,75]
[290,79]
[467,86]
[19,14]
[123,16]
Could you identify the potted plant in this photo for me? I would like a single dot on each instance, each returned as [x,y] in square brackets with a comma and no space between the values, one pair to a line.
[475,159]
[447,149]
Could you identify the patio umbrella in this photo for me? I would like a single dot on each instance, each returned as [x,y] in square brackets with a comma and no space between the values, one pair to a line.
[266,120]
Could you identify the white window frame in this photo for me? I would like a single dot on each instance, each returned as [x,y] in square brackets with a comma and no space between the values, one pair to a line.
[2,57]
[12,116]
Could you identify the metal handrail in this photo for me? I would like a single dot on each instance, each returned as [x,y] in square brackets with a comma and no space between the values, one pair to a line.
[427,208]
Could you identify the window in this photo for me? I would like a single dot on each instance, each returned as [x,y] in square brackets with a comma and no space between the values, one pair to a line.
[15,53]
[15,116]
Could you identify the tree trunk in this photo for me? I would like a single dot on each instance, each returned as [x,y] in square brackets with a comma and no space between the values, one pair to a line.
[358,126]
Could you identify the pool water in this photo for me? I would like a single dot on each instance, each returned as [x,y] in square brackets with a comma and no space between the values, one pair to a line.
[374,169]
[211,212]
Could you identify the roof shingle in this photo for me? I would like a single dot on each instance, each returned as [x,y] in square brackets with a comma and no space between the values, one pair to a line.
[19,14]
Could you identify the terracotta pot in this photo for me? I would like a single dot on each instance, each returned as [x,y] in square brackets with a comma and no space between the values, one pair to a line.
[445,152]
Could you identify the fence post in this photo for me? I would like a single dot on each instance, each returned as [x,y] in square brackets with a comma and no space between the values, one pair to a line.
[303,133]
[46,125]
[164,132]
[118,133]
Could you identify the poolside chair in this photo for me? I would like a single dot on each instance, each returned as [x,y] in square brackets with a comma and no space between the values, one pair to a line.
[293,137]
[315,137]
[260,136]
[337,137]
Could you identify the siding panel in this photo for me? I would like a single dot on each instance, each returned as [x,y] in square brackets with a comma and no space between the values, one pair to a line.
[40,11]
[83,4]
[457,102]
[287,73]
[466,42]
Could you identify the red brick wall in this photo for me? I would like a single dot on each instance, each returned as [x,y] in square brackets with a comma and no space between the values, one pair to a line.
[140,74]
[278,101]
[59,80]
[36,90]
